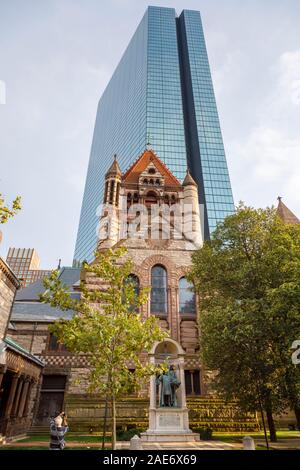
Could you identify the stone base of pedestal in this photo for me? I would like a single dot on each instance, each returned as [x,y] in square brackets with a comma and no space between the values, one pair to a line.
[161,436]
[168,425]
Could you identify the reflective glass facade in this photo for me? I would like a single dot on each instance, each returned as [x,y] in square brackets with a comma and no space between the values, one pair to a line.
[161,92]
[205,149]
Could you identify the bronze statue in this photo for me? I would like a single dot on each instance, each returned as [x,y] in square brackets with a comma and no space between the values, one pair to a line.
[169,384]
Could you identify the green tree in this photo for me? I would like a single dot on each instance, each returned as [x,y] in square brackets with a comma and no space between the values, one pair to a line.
[107,326]
[6,212]
[244,277]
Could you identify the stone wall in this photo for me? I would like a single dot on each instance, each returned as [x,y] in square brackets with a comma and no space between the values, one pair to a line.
[8,287]
[86,414]
[32,336]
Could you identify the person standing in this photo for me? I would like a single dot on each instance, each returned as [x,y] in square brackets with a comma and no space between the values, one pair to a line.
[58,429]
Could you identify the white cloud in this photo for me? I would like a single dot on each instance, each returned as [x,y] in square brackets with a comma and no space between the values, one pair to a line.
[264,166]
[270,153]
[289,66]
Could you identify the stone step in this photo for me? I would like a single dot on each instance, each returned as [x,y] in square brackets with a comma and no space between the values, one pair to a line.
[36,430]
[169,436]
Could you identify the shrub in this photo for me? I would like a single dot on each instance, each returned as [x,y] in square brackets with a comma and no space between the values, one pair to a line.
[126,435]
[205,433]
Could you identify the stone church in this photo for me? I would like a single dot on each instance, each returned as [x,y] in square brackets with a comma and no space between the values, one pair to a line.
[159,221]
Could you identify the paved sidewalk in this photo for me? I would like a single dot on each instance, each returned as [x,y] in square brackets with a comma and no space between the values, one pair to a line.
[201,445]
[282,444]
[124,445]
[16,444]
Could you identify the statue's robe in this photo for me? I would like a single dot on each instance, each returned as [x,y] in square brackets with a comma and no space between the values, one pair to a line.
[169,383]
[165,389]
[175,383]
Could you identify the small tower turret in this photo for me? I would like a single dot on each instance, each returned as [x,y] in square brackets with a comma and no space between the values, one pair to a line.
[108,232]
[191,210]
[112,184]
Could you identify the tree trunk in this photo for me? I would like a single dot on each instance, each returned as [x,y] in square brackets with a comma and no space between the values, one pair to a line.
[271,424]
[114,424]
[297,414]
[105,422]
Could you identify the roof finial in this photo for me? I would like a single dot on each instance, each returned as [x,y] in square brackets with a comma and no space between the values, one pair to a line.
[279,198]
[115,157]
[59,263]
[148,144]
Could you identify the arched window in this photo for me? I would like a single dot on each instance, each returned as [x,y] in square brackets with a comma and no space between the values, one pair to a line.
[135,282]
[111,192]
[151,198]
[158,290]
[187,299]
[106,192]
[117,194]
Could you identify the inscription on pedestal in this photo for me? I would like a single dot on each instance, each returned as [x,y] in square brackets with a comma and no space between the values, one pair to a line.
[169,421]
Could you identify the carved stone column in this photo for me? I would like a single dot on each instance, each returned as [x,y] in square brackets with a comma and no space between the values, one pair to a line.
[11,397]
[17,396]
[27,401]
[2,372]
[182,380]
[23,398]
[177,314]
[169,309]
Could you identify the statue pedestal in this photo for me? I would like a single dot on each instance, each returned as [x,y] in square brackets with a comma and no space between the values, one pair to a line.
[169,424]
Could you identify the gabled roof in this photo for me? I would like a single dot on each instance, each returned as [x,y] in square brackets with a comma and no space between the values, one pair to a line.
[147,157]
[38,312]
[286,214]
[69,276]
[31,292]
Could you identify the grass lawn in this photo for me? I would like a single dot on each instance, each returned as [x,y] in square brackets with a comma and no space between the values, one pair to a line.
[237,437]
[69,436]
[88,442]
[46,447]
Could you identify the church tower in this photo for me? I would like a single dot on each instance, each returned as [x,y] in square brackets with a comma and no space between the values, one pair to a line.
[157,218]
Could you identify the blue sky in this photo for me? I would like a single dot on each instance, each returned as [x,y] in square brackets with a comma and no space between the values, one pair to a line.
[56,57]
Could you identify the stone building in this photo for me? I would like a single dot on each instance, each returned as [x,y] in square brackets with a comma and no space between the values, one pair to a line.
[19,370]
[158,219]
[25,264]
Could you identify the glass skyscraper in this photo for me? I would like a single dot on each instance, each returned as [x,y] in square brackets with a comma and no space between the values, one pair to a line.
[161,92]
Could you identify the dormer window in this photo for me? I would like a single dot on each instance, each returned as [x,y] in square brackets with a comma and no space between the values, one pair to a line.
[151,171]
